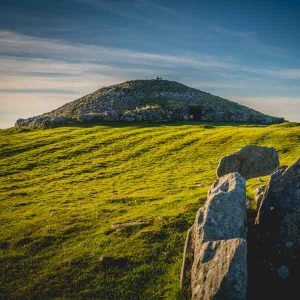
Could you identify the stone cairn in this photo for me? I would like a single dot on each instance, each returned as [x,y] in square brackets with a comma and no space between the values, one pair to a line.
[224,258]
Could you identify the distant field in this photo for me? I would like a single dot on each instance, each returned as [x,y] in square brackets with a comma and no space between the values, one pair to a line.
[62,190]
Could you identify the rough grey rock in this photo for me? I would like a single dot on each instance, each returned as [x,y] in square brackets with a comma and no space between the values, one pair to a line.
[91,117]
[44,121]
[148,100]
[250,161]
[215,256]
[259,195]
[279,213]
[275,244]
[224,214]
[220,270]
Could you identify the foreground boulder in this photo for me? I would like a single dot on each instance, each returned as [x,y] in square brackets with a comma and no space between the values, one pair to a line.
[279,213]
[250,161]
[215,255]
[274,241]
[220,270]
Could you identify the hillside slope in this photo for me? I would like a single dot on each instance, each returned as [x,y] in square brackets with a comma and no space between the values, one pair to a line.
[148,100]
[65,191]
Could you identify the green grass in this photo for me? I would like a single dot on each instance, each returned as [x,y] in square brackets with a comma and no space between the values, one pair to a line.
[62,190]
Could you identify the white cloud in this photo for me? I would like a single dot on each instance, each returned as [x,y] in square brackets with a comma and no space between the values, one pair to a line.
[18,45]
[38,75]
[284,73]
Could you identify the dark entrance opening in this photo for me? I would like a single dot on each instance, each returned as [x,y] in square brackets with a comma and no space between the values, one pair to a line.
[195,113]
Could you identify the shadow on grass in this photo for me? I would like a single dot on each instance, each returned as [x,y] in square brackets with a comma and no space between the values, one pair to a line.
[163,124]
[142,124]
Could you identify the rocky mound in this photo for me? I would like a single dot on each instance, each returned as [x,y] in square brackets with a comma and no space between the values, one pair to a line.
[148,100]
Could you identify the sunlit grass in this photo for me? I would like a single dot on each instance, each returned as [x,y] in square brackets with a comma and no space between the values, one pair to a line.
[62,190]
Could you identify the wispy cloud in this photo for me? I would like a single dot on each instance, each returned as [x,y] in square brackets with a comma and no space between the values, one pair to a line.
[286,73]
[85,56]
[38,74]
[13,44]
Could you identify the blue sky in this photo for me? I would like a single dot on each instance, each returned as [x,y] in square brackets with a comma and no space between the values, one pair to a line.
[52,52]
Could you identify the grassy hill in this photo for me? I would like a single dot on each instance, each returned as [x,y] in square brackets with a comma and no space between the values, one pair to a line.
[65,190]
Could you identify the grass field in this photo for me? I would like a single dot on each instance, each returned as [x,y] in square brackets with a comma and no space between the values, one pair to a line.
[62,190]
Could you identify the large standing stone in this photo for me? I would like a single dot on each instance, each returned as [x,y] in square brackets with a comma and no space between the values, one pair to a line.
[279,213]
[275,245]
[250,161]
[220,270]
[215,256]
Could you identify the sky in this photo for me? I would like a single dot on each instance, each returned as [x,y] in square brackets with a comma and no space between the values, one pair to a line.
[52,52]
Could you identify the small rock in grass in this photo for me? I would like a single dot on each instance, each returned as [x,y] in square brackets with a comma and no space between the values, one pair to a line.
[128,224]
